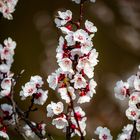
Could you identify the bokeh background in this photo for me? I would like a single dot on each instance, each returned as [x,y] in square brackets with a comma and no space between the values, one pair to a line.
[117,41]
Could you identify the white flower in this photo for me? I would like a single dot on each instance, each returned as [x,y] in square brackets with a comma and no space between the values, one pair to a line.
[28,131]
[61,45]
[9,43]
[79,81]
[65,95]
[137,83]
[7,8]
[60,122]
[80,36]
[70,39]
[4,68]
[134,98]
[87,94]
[125,135]
[7,109]
[4,135]
[86,65]
[86,47]
[130,81]
[28,90]
[6,87]
[66,65]
[90,27]
[121,90]
[54,109]
[53,80]
[104,133]
[63,18]
[132,113]
[6,84]
[93,55]
[7,54]
[138,125]
[37,80]
[40,97]
[4,93]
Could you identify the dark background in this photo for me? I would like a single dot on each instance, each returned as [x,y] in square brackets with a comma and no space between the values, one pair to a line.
[117,41]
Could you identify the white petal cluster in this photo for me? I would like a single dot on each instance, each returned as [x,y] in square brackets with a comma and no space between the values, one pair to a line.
[130,89]
[6,55]
[54,109]
[79,81]
[33,88]
[60,122]
[7,7]
[121,90]
[126,132]
[6,59]
[7,113]
[63,18]
[4,135]
[31,133]
[104,133]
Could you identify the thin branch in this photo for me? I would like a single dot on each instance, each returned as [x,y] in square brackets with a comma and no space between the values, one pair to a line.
[30,107]
[134,132]
[72,107]
[68,129]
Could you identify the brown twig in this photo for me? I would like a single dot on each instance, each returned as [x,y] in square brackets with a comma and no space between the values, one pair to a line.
[68,129]
[22,115]
[72,107]
[134,132]
[30,107]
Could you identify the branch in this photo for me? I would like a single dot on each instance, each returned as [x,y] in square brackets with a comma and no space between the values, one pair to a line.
[72,107]
[30,107]
[134,132]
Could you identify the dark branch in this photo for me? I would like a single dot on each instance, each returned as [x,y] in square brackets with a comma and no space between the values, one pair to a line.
[134,132]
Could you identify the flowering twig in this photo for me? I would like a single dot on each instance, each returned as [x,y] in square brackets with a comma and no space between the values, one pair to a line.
[72,107]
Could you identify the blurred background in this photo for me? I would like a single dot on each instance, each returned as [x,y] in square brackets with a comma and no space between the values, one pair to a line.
[117,41]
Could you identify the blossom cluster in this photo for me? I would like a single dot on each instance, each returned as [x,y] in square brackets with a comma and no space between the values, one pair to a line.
[6,60]
[131,90]
[73,80]
[61,118]
[7,117]
[3,130]
[7,7]
[30,133]
[33,88]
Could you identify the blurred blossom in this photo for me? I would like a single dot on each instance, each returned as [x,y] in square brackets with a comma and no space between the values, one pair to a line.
[44,24]
[129,11]
[130,36]
[103,12]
